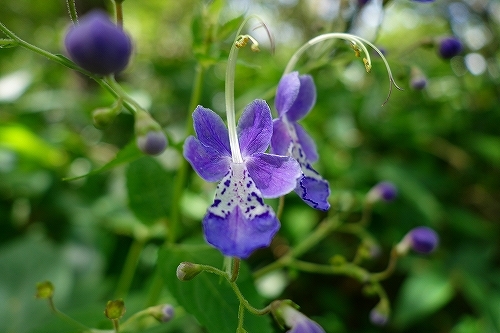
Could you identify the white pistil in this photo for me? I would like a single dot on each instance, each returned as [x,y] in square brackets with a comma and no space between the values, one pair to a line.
[356,43]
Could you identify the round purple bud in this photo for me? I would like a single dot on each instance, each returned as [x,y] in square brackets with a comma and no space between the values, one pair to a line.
[418,82]
[385,191]
[423,239]
[449,47]
[98,45]
[152,143]
[378,318]
[167,313]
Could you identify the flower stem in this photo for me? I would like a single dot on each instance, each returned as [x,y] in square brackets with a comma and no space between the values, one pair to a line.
[323,229]
[72,11]
[241,318]
[65,317]
[119,13]
[182,172]
[129,268]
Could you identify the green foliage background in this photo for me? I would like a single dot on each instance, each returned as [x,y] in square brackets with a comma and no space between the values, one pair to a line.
[98,237]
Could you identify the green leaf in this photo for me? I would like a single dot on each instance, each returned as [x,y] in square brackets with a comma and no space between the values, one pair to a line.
[230,27]
[129,153]
[149,188]
[487,146]
[208,297]
[421,295]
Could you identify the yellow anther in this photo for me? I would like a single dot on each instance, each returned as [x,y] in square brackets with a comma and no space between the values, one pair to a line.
[242,41]
[356,49]
[368,66]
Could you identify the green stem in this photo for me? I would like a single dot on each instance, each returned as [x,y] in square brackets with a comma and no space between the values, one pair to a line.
[281,207]
[155,289]
[72,11]
[111,81]
[236,289]
[347,269]
[391,266]
[314,238]
[182,172]
[235,270]
[119,13]
[129,268]
[66,318]
[116,325]
[241,318]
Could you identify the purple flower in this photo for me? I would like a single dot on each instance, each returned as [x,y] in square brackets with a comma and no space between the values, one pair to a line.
[298,322]
[378,318]
[449,47]
[239,222]
[295,97]
[98,45]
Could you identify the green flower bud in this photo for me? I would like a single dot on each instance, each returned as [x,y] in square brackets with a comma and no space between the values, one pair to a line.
[187,270]
[115,309]
[44,290]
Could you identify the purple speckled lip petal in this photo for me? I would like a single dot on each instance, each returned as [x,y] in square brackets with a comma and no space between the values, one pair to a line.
[274,175]
[305,100]
[314,192]
[288,89]
[239,222]
[255,128]
[206,161]
[281,140]
[307,143]
[211,130]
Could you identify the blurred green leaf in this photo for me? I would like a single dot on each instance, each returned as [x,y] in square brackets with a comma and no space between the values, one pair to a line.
[22,140]
[149,188]
[487,146]
[128,154]
[208,297]
[422,294]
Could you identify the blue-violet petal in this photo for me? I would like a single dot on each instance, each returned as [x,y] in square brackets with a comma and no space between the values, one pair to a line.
[273,175]
[211,130]
[288,89]
[208,163]
[255,128]
[305,100]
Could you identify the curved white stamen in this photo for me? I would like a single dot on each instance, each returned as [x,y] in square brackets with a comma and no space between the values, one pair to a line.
[357,41]
[229,89]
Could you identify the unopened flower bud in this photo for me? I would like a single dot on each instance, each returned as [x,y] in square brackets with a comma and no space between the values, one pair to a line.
[187,270]
[44,290]
[150,138]
[115,309]
[98,45]
[163,313]
[449,47]
[421,239]
[286,314]
[379,315]
[153,143]
[103,117]
[385,191]
[418,81]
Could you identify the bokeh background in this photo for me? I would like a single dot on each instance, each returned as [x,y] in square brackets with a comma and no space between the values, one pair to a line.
[97,237]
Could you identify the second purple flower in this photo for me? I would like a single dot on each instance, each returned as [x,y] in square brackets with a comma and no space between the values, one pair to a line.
[295,97]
